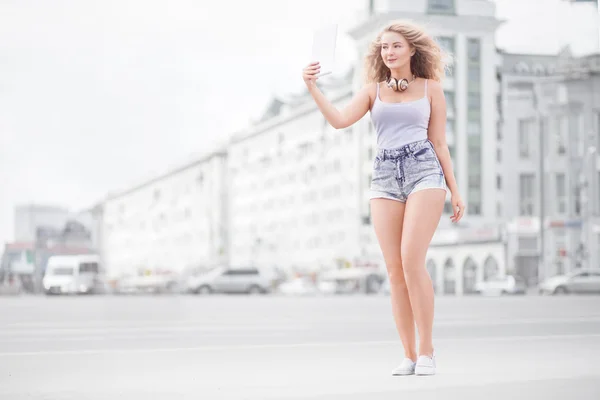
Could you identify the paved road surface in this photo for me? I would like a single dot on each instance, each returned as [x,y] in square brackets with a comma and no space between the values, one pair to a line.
[239,347]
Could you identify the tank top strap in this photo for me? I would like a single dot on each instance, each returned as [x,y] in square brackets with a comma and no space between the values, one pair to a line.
[425,87]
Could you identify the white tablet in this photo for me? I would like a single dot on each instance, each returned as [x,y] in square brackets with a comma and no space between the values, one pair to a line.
[323,50]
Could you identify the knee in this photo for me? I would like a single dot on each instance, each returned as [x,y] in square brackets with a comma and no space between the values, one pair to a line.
[411,262]
[396,275]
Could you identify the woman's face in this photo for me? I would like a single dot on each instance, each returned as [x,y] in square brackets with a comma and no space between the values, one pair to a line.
[395,50]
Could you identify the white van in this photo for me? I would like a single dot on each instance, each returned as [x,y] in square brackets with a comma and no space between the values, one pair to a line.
[72,274]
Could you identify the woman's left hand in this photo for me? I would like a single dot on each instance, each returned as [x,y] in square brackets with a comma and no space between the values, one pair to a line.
[458,208]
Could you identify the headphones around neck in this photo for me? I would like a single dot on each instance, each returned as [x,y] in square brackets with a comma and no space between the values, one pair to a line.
[398,85]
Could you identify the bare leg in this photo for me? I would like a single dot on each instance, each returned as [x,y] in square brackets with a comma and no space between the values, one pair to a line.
[422,216]
[388,216]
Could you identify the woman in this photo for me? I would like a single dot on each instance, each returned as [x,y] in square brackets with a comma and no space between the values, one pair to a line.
[411,173]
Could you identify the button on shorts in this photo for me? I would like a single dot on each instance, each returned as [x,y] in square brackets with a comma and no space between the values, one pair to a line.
[399,172]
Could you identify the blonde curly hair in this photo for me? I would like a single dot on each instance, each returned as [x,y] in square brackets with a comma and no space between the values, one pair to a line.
[429,60]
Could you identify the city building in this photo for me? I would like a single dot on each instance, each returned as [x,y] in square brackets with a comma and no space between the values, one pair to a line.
[294,187]
[172,223]
[550,128]
[30,219]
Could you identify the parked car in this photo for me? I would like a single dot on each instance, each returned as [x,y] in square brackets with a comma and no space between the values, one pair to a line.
[501,285]
[299,287]
[150,283]
[73,274]
[231,280]
[581,281]
[353,280]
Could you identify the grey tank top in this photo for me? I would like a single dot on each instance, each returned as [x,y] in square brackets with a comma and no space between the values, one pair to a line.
[398,124]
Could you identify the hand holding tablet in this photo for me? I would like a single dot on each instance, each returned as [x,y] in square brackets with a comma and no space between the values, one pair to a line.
[323,54]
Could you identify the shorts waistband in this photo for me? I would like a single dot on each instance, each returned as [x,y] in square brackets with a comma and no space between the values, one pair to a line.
[406,150]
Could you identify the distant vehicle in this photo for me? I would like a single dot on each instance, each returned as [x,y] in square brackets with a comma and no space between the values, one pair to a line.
[73,274]
[304,286]
[150,283]
[230,280]
[299,287]
[501,285]
[581,281]
[354,280]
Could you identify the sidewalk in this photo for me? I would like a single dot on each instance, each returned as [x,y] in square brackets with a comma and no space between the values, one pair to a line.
[524,367]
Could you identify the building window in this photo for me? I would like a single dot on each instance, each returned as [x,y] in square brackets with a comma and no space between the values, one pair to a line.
[474,76]
[474,181]
[474,50]
[498,155]
[528,243]
[474,107]
[452,151]
[598,131]
[450,131]
[561,193]
[561,135]
[597,211]
[450,104]
[526,186]
[499,182]
[446,43]
[499,131]
[441,7]
[598,244]
[447,208]
[473,128]
[525,134]
[474,154]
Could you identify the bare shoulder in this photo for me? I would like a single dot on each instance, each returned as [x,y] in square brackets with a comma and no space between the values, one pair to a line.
[434,89]
[371,90]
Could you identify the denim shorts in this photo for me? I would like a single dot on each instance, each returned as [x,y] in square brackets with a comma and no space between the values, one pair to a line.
[405,170]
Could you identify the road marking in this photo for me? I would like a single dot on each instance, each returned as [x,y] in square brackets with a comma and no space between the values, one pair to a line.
[290,345]
[110,326]
[162,328]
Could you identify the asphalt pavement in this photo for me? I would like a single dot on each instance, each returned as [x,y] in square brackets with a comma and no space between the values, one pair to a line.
[271,347]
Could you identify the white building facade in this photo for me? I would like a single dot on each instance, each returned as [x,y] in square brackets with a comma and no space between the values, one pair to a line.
[294,193]
[551,129]
[174,222]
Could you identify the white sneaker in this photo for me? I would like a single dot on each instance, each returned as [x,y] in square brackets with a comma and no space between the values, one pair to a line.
[425,365]
[407,367]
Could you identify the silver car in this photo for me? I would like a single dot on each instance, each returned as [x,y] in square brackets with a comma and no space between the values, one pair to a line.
[582,281]
[230,280]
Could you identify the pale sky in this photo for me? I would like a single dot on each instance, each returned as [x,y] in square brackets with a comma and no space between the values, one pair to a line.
[96,96]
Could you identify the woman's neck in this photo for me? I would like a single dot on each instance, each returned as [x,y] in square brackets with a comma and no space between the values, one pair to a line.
[402,73]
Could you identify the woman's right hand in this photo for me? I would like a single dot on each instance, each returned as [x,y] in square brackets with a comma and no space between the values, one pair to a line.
[309,73]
